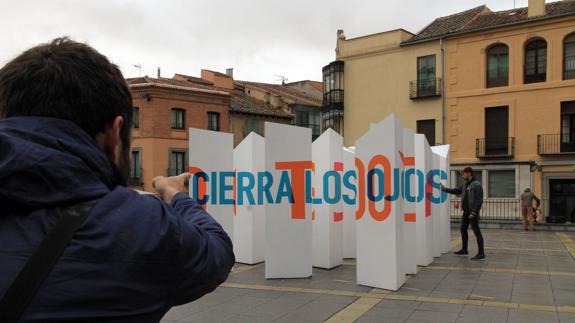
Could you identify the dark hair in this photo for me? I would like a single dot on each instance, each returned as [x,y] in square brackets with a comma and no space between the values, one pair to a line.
[67,80]
[468,170]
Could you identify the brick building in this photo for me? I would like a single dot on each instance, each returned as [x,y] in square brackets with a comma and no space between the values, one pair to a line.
[164,110]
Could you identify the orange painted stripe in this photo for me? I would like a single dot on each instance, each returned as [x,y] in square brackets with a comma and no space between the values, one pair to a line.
[338,166]
[337,216]
[409,217]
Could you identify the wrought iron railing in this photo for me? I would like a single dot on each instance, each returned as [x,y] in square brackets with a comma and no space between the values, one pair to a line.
[555,144]
[425,88]
[493,209]
[496,147]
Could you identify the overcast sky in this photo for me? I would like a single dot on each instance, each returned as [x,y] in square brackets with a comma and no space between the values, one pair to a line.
[258,38]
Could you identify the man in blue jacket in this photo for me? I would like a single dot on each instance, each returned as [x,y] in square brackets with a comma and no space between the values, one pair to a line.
[65,130]
[471,193]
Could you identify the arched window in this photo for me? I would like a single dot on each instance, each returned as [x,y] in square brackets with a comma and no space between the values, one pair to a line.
[535,61]
[569,57]
[498,66]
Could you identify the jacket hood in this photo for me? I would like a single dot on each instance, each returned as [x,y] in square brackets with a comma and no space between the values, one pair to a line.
[48,162]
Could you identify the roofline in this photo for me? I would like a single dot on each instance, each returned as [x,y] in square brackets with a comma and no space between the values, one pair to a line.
[379,33]
[407,43]
[177,87]
[263,114]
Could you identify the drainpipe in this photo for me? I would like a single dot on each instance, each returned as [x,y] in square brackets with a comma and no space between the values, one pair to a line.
[442,91]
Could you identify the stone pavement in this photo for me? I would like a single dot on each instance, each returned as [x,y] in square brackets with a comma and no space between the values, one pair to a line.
[527,277]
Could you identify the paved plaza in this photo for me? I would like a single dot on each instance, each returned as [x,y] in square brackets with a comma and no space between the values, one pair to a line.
[527,277]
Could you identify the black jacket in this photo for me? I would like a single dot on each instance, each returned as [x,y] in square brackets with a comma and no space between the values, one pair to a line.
[474,195]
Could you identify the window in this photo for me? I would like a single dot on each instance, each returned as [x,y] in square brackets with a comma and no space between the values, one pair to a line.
[178,162]
[136,117]
[213,121]
[569,57]
[535,61]
[427,127]
[426,76]
[498,66]
[333,119]
[251,124]
[135,176]
[178,118]
[497,131]
[501,183]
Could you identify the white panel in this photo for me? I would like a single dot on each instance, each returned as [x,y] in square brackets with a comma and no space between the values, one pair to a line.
[423,223]
[212,151]
[327,225]
[288,240]
[249,221]
[443,152]
[409,254]
[379,240]
[349,209]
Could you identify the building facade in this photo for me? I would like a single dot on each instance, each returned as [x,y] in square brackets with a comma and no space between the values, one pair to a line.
[304,107]
[376,75]
[510,103]
[164,111]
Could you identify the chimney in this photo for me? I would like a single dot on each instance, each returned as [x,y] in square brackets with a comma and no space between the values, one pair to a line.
[340,34]
[230,72]
[536,8]
[159,72]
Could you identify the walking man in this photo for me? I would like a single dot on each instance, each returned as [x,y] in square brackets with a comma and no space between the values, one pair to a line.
[471,193]
[527,198]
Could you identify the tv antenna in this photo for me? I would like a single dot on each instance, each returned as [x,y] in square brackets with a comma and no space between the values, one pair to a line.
[281,78]
[139,67]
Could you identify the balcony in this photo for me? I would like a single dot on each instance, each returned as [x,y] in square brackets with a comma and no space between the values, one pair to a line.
[425,88]
[555,144]
[496,147]
[135,177]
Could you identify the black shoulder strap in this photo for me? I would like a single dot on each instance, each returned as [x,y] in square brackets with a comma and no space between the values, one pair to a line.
[37,268]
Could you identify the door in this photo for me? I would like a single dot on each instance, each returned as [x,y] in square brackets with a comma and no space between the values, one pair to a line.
[561,200]
[568,127]
[497,131]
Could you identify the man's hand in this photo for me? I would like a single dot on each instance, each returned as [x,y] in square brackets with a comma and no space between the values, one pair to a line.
[472,215]
[167,187]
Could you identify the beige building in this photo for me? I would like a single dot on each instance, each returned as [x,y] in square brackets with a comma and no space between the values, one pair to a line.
[381,76]
[510,103]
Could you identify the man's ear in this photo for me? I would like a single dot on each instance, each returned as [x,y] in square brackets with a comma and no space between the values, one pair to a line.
[109,140]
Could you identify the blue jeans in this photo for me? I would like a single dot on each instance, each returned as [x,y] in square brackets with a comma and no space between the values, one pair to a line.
[465,222]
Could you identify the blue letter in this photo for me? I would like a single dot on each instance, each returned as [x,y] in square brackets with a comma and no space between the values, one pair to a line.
[347,184]
[284,188]
[265,188]
[247,188]
[225,187]
[337,184]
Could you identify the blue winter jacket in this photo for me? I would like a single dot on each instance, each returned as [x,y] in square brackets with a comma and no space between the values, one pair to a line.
[134,257]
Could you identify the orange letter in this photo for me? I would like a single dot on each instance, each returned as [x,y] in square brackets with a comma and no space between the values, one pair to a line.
[383,161]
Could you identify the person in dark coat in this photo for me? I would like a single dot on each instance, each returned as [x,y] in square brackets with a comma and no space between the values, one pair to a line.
[471,193]
[66,116]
